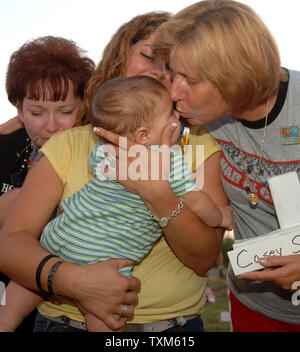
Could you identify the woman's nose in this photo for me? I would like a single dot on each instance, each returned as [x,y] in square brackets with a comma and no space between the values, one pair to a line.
[159,69]
[52,125]
[176,90]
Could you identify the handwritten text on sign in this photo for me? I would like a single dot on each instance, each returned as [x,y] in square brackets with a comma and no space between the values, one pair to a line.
[285,190]
[245,255]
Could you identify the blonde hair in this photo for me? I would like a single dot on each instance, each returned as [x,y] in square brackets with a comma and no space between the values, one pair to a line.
[122,105]
[226,43]
[116,54]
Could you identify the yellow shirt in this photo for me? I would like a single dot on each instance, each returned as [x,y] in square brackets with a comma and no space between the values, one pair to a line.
[168,288]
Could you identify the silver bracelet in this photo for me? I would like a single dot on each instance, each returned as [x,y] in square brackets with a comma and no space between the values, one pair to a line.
[163,222]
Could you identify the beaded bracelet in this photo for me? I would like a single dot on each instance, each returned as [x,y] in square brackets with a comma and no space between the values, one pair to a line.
[51,276]
[39,270]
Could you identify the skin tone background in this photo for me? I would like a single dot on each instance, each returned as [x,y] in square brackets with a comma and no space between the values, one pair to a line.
[91,26]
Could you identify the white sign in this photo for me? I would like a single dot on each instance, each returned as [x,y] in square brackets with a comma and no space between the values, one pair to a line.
[285,191]
[245,255]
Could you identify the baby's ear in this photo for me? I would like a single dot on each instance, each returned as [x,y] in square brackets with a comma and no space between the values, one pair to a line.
[142,135]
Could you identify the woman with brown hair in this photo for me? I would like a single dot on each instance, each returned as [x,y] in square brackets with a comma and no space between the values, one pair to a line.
[163,304]
[128,53]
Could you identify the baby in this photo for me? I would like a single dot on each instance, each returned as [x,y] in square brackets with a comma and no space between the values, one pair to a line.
[103,220]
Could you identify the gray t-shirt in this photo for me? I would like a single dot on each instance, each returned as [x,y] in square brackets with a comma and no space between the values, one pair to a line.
[278,158]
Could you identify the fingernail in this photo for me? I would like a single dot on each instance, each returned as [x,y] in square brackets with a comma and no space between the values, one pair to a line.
[174,124]
[262,260]
[97,130]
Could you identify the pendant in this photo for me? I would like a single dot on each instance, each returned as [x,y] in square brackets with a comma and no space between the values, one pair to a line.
[253,200]
[163,222]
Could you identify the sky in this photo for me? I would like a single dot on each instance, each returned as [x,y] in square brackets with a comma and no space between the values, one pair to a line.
[91,24]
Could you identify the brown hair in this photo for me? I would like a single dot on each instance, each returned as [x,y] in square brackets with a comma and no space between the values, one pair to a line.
[226,43]
[47,62]
[116,54]
[122,104]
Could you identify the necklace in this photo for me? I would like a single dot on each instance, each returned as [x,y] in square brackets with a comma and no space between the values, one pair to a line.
[251,189]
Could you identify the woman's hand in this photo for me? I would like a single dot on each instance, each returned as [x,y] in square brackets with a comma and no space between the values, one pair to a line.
[11,126]
[101,290]
[284,271]
[194,243]
[145,174]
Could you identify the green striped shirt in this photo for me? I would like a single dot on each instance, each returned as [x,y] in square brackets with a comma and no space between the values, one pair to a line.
[105,221]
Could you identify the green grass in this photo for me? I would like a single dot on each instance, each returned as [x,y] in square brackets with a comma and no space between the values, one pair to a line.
[212,311]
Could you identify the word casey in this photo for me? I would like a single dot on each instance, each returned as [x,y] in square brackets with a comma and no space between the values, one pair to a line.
[245,255]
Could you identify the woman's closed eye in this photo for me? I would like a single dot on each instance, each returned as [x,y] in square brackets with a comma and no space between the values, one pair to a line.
[36,113]
[191,81]
[67,112]
[147,56]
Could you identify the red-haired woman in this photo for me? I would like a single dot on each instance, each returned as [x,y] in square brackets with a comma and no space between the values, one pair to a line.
[45,81]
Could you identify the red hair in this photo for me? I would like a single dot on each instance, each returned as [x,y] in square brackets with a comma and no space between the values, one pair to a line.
[47,62]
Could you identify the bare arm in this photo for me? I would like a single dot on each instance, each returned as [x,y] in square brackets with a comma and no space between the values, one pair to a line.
[201,242]
[203,206]
[6,202]
[213,186]
[11,126]
[194,243]
[20,302]
[24,228]
[100,288]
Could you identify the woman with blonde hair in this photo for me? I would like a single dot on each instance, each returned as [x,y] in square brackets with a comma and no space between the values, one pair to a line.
[227,69]
[187,250]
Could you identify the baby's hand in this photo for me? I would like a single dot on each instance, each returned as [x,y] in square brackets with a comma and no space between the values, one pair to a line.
[227,217]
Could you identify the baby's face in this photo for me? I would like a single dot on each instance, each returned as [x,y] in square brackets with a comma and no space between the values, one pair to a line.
[165,115]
